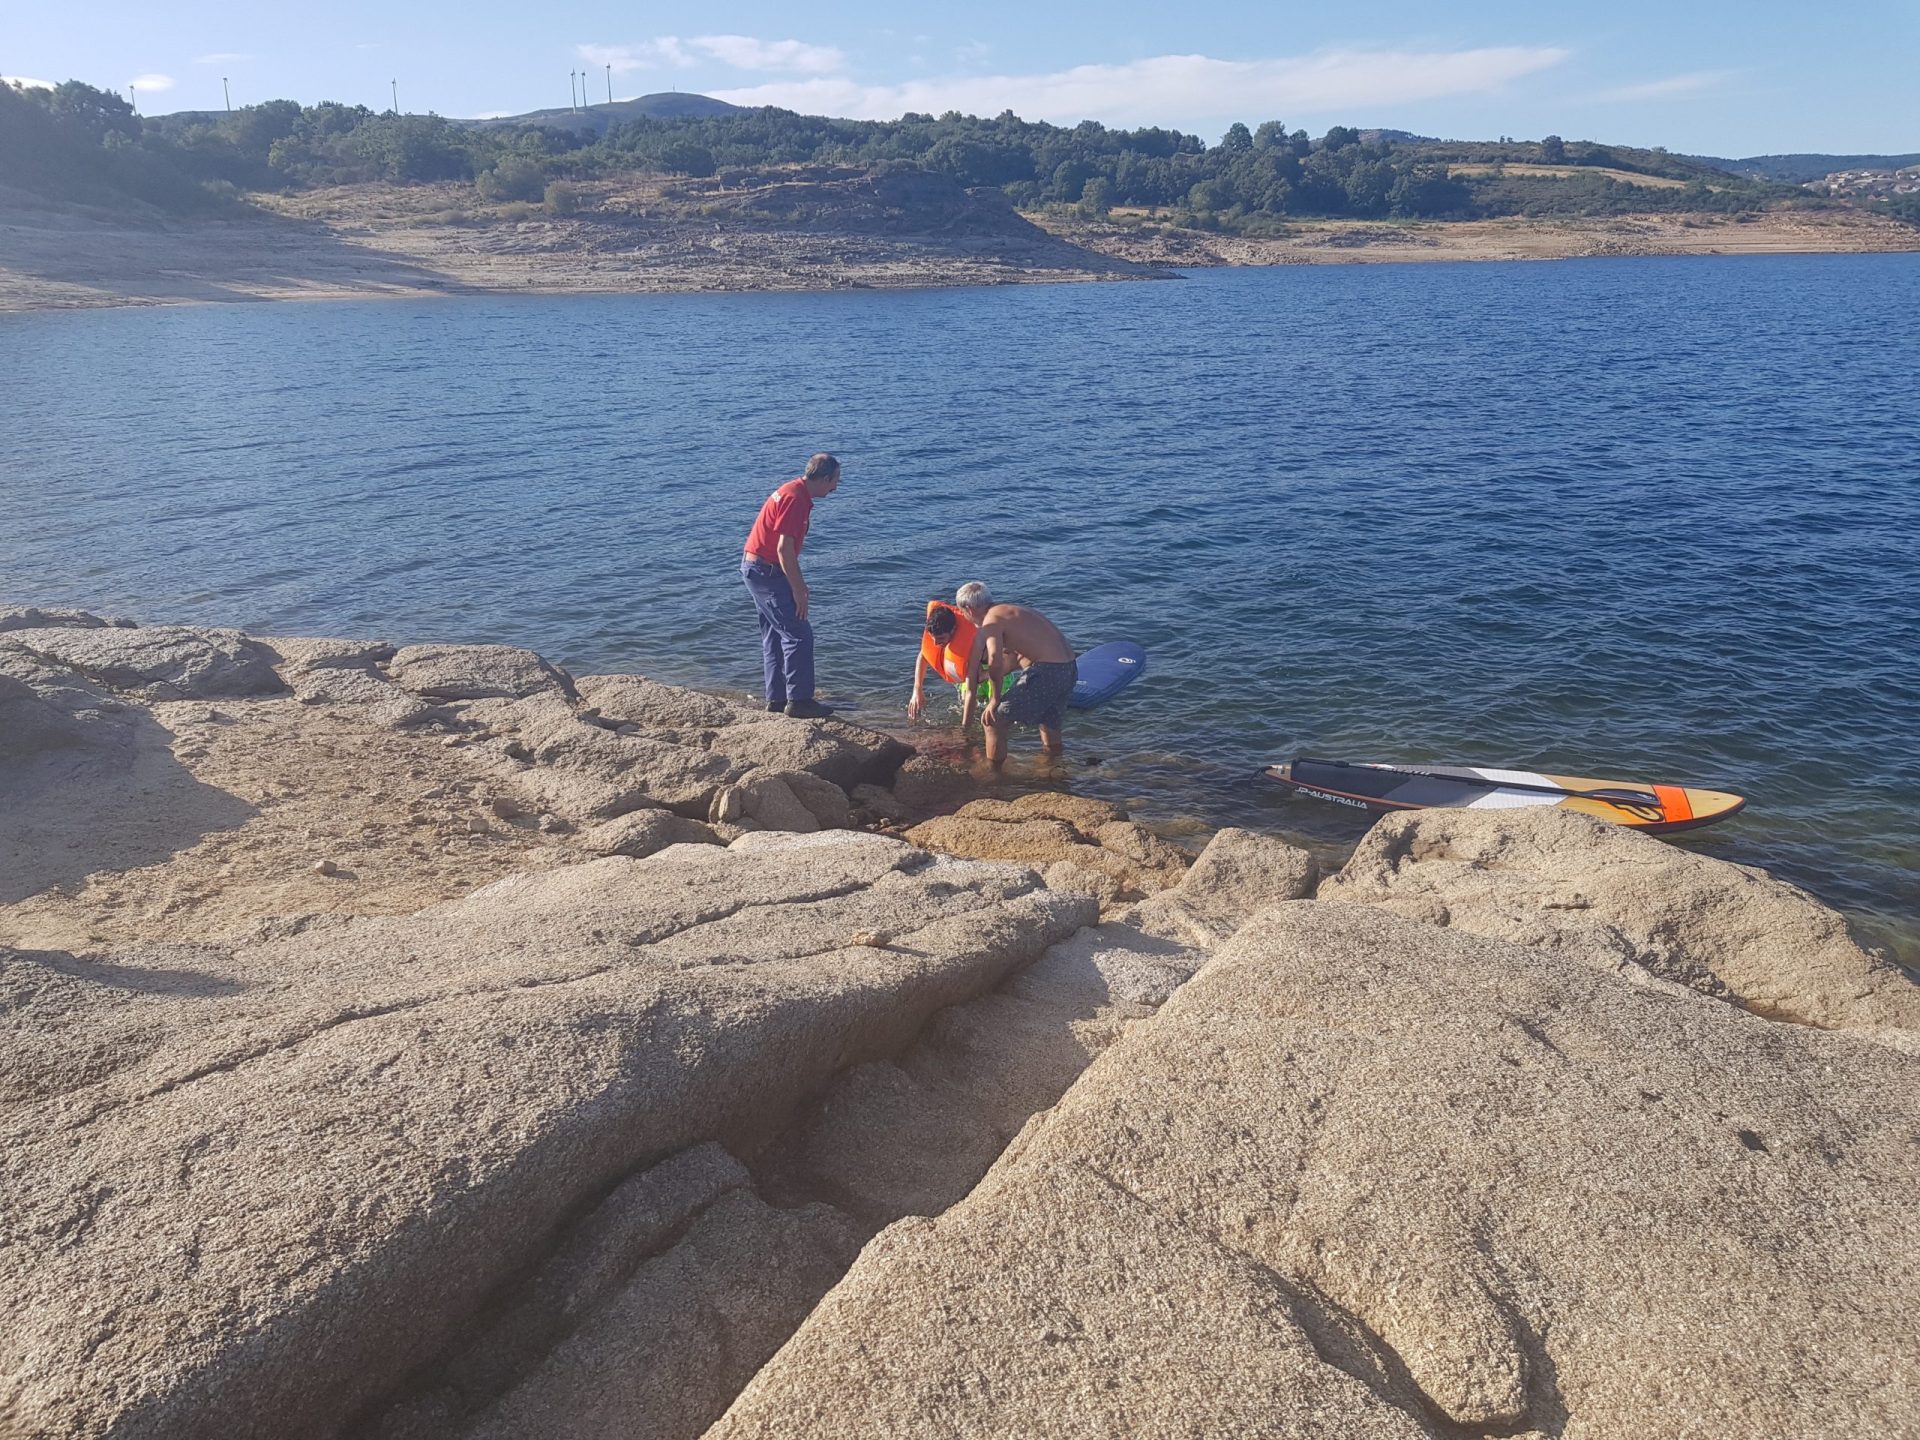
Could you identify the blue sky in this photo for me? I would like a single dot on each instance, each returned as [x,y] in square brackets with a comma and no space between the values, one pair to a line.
[1710,77]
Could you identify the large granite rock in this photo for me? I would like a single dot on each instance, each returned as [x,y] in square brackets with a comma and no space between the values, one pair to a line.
[347,672]
[1240,873]
[636,700]
[911,1136]
[665,1356]
[1615,899]
[158,662]
[640,833]
[475,672]
[252,1186]
[55,617]
[33,724]
[1046,828]
[582,770]
[847,755]
[1367,1176]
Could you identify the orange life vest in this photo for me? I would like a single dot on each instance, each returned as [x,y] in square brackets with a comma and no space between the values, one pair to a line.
[948,661]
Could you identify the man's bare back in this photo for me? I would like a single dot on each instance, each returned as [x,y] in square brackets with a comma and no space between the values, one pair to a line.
[1028,637]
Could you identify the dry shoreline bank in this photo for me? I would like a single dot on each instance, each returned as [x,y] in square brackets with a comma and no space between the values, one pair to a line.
[391,242]
[424,1043]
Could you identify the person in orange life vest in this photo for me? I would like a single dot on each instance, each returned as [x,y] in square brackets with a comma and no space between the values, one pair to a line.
[944,645]
[770,569]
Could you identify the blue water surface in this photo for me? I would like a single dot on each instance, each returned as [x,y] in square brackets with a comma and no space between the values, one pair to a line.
[1648,519]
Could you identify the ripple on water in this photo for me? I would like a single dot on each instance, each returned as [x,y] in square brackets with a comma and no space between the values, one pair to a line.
[1638,518]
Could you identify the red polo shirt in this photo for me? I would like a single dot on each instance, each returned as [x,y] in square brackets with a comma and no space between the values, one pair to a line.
[786,512]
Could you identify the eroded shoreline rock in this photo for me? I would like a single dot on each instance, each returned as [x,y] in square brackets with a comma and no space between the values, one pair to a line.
[1612,898]
[1366,1176]
[427,1044]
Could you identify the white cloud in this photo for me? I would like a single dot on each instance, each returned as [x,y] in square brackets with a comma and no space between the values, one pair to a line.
[220,57]
[1697,83]
[973,52]
[151,83]
[1163,89]
[24,83]
[741,52]
[624,58]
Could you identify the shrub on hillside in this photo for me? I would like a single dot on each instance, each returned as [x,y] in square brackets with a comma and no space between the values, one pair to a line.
[513,177]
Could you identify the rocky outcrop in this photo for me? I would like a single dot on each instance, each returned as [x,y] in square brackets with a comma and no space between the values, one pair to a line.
[34,617]
[911,1136]
[254,1187]
[1239,873]
[159,662]
[349,673]
[1141,1145]
[475,672]
[1046,828]
[640,833]
[1628,902]
[1366,1176]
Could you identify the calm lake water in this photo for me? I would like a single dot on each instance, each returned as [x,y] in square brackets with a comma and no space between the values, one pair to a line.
[1646,519]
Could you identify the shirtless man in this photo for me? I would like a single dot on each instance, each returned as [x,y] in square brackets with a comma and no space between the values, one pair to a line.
[1008,636]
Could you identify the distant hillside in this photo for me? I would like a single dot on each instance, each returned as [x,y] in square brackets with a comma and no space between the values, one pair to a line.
[595,119]
[1799,169]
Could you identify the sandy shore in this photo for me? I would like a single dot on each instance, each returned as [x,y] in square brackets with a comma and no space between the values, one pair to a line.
[387,241]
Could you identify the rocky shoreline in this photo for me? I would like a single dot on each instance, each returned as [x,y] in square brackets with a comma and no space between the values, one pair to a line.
[424,1042]
[385,241]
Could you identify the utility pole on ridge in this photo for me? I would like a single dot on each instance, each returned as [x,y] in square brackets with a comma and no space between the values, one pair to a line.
[226,92]
[396,95]
[609,84]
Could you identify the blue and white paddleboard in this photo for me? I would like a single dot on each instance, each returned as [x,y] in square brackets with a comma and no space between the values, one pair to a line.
[1105,671]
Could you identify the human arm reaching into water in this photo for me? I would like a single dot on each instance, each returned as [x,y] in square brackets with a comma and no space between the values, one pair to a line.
[918,702]
[976,660]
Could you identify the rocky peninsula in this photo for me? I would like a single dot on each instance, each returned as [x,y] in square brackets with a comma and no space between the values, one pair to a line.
[422,1041]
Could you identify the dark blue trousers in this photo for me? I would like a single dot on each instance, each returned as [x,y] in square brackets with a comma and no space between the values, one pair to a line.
[786,641]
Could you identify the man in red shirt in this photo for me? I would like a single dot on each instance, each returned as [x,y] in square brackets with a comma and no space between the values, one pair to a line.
[770,566]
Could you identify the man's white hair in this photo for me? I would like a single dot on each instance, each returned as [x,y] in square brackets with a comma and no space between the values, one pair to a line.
[972,595]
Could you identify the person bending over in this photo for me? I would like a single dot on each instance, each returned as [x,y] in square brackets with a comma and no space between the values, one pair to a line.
[1009,639]
[770,567]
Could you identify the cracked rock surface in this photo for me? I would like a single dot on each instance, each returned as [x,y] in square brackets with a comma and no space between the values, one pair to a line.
[252,1185]
[1631,903]
[1364,1176]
